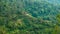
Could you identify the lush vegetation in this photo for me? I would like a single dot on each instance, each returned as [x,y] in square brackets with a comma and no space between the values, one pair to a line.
[29,17]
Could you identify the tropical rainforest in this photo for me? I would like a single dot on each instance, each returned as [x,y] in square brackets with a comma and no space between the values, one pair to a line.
[29,17]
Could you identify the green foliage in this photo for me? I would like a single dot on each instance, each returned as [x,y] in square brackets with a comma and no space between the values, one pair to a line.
[57,26]
[28,17]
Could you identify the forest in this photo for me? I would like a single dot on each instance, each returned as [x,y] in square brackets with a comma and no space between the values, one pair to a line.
[29,17]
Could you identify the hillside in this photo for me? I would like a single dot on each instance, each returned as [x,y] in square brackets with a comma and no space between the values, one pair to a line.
[28,17]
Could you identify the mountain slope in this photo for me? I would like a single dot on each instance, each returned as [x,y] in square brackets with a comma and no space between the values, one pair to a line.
[27,17]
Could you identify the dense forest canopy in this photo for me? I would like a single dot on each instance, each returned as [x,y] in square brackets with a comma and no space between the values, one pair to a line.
[29,17]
